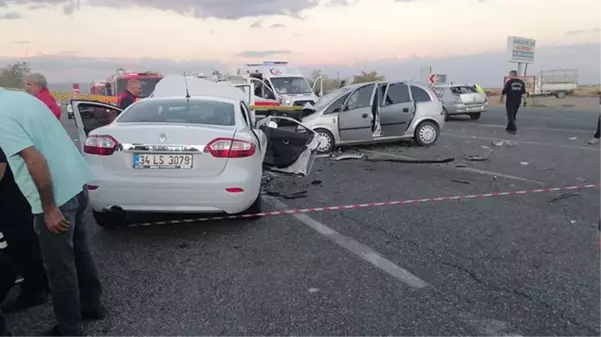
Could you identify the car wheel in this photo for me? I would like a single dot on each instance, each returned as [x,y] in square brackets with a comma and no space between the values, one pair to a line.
[475,116]
[326,141]
[426,133]
[561,94]
[446,114]
[109,219]
[254,208]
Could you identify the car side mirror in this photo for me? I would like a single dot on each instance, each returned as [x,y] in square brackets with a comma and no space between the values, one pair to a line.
[344,107]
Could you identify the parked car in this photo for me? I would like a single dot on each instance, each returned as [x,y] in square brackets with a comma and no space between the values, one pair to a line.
[462,99]
[191,147]
[376,112]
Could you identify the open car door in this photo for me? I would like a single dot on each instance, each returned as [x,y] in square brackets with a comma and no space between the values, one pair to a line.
[90,115]
[288,151]
[318,90]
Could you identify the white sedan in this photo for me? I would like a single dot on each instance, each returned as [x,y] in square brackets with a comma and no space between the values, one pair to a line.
[192,147]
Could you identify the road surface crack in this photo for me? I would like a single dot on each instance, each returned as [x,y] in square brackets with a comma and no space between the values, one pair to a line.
[473,275]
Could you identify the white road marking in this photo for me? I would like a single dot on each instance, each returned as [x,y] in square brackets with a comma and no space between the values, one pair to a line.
[596,149]
[486,327]
[355,247]
[496,126]
[469,169]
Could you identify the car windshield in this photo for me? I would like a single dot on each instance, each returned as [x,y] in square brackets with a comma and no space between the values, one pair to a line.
[328,98]
[179,111]
[148,85]
[291,85]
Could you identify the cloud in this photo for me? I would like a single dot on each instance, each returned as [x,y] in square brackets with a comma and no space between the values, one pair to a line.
[67,67]
[262,53]
[486,69]
[583,31]
[277,25]
[256,24]
[222,9]
[21,42]
[11,16]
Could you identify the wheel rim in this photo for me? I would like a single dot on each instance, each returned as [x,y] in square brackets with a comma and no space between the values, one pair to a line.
[325,142]
[427,134]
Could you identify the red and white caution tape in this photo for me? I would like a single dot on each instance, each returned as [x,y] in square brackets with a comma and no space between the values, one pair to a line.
[371,204]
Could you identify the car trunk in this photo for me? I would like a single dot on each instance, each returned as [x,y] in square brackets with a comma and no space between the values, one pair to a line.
[151,147]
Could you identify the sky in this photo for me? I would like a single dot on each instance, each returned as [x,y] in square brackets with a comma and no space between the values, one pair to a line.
[85,40]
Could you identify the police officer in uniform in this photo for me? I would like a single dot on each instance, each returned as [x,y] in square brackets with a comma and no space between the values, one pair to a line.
[512,94]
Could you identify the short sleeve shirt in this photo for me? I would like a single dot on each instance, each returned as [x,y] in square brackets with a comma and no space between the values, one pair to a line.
[25,122]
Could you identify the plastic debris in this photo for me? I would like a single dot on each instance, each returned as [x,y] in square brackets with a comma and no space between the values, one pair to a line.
[504,143]
[313,290]
[573,138]
[348,156]
[525,163]
[465,182]
[564,196]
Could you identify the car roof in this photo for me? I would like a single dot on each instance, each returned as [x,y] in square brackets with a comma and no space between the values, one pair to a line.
[454,85]
[192,98]
[175,86]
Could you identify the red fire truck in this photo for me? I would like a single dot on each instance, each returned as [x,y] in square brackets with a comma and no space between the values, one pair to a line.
[117,83]
[98,88]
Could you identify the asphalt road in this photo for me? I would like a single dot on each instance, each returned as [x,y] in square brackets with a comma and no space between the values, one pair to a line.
[512,265]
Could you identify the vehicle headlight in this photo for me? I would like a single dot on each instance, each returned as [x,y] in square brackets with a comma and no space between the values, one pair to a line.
[285,101]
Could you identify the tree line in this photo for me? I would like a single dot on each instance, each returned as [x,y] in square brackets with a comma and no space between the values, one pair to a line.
[13,76]
[333,83]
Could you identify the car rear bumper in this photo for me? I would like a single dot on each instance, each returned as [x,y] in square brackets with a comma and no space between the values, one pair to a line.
[463,109]
[174,195]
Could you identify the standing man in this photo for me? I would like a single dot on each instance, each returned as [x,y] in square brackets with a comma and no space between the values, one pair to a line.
[514,89]
[36,84]
[17,227]
[597,135]
[129,96]
[52,175]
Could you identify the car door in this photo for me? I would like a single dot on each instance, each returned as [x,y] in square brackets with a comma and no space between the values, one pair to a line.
[263,95]
[396,110]
[91,115]
[288,151]
[355,119]
[318,90]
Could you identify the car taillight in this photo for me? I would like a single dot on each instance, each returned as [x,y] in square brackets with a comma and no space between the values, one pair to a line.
[458,99]
[100,145]
[231,148]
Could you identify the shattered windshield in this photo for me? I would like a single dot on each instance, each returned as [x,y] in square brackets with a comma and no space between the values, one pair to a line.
[330,97]
[291,85]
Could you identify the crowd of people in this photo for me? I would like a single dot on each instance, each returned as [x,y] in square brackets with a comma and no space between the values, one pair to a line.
[43,201]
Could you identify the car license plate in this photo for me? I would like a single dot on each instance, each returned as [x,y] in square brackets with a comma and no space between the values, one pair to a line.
[162,161]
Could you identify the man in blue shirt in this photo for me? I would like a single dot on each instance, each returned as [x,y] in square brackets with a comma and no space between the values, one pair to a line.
[52,175]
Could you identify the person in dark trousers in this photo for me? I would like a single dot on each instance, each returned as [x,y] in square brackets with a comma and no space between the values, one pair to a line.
[53,176]
[129,96]
[512,94]
[8,273]
[17,226]
[595,139]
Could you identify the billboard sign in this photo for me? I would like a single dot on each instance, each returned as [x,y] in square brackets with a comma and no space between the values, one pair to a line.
[520,49]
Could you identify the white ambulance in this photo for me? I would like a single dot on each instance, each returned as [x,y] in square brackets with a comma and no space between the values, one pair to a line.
[282,83]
